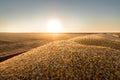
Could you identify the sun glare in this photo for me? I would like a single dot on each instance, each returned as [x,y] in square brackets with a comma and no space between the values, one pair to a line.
[54,26]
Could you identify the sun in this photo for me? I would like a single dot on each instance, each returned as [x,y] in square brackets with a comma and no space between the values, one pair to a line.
[54,26]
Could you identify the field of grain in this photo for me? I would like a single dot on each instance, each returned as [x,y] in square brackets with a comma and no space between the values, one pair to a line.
[107,40]
[13,43]
[86,57]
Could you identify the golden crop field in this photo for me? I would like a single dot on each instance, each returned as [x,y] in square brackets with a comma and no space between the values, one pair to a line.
[71,57]
[13,43]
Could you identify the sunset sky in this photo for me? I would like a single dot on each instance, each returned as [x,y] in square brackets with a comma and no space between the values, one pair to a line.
[70,15]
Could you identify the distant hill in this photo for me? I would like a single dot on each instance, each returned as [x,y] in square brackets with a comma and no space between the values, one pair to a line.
[106,40]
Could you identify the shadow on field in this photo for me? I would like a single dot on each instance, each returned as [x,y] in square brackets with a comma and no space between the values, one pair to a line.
[3,58]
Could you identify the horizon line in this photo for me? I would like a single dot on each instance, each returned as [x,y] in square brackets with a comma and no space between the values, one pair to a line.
[65,32]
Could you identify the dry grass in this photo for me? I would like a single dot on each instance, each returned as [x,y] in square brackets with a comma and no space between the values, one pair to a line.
[64,60]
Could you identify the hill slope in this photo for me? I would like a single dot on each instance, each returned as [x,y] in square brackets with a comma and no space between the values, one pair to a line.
[64,60]
[14,43]
[106,40]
